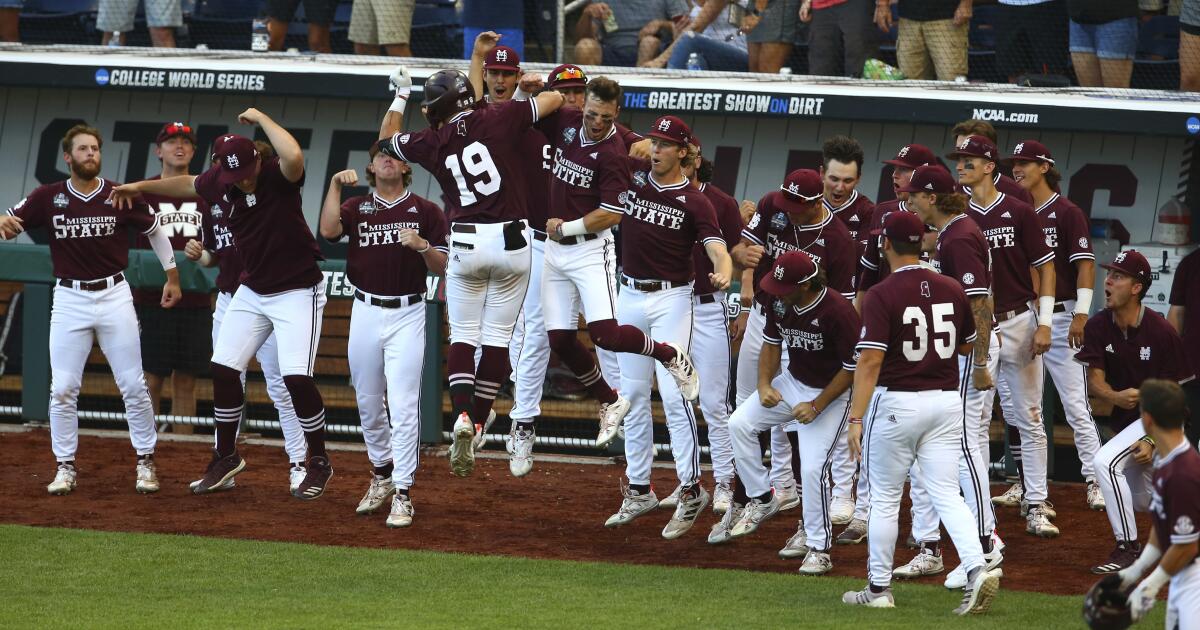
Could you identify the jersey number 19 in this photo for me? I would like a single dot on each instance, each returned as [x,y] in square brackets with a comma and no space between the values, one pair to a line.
[476,161]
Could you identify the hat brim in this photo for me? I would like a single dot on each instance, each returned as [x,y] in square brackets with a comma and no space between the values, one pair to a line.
[778,288]
[502,66]
[792,205]
[189,136]
[1142,279]
[229,176]
[901,164]
[957,154]
[567,83]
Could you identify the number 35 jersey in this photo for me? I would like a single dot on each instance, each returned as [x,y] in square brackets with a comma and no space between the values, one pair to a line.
[476,157]
[918,318]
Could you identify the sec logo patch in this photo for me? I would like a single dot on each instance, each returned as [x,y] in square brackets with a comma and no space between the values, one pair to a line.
[968,278]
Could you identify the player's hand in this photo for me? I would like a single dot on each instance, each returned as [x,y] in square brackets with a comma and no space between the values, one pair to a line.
[123,196]
[749,23]
[719,280]
[1141,600]
[485,42]
[806,11]
[348,177]
[531,83]
[411,239]
[400,83]
[552,227]
[854,440]
[1125,578]
[981,378]
[1143,452]
[747,209]
[737,327]
[640,150]
[769,396]
[750,256]
[193,250]
[251,117]
[1126,398]
[1075,332]
[1041,340]
[171,293]
[805,412]
[962,15]
[597,10]
[883,16]
[10,227]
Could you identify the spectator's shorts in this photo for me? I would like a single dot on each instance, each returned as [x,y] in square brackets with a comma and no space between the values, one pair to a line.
[1110,40]
[1189,17]
[315,11]
[117,15]
[175,339]
[778,24]
[381,22]
[625,56]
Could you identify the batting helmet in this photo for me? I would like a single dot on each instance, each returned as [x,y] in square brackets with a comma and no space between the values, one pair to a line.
[447,92]
[1105,607]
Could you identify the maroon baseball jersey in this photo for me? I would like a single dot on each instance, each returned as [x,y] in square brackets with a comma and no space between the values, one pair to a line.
[660,227]
[219,240]
[918,318]
[476,157]
[1175,497]
[872,266]
[1006,185]
[1151,349]
[89,238]
[277,247]
[182,220]
[1014,234]
[855,213]
[1070,237]
[376,262]
[962,253]
[729,220]
[537,159]
[627,135]
[586,175]
[819,338]
[827,241]
[1185,292]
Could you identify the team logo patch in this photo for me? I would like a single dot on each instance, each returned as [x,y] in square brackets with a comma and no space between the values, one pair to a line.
[569,135]
[779,221]
[216,212]
[965,143]
[968,278]
[1144,353]
[863,333]
[60,201]
[501,55]
[251,200]
[367,207]
[461,129]
[664,125]
[404,138]
[639,178]
[231,161]
[623,198]
[1184,526]
[903,152]
[925,288]
[1083,242]
[754,221]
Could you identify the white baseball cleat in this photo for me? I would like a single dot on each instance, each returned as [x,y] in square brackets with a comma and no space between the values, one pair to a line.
[233,482]
[1095,498]
[633,505]
[402,512]
[982,589]
[868,599]
[992,560]
[841,511]
[147,477]
[1047,509]
[462,450]
[295,477]
[64,480]
[691,503]
[926,562]
[520,450]
[722,531]
[380,490]
[722,497]
[797,545]
[788,495]
[480,438]
[1011,497]
[611,415]
[816,563]
[757,512]
[854,534]
[1038,523]
[684,372]
[671,501]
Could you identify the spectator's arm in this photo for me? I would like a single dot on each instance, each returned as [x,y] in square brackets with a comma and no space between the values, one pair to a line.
[962,14]
[592,13]
[708,14]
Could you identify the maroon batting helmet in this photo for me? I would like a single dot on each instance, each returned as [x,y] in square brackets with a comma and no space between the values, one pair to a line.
[447,92]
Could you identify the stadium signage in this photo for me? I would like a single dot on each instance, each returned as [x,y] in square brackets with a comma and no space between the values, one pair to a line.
[723,103]
[182,79]
[1000,115]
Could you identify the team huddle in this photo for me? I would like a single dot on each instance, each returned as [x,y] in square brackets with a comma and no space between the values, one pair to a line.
[873,338]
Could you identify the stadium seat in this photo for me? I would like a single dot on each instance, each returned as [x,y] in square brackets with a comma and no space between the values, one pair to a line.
[436,29]
[59,22]
[1158,38]
[224,24]
[61,7]
[982,33]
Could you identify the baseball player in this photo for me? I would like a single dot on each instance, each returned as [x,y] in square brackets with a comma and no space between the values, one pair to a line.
[1015,236]
[1174,511]
[1069,235]
[906,386]
[217,250]
[474,154]
[819,328]
[1123,345]
[961,253]
[1184,315]
[395,239]
[665,217]
[282,290]
[1002,182]
[89,250]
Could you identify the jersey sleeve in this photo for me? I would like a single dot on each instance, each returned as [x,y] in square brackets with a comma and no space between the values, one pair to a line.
[771,329]
[627,135]
[1181,499]
[1091,353]
[876,325]
[418,147]
[436,229]
[32,209]
[349,219]
[966,320]
[1033,239]
[1185,278]
[707,230]
[612,183]
[839,268]
[966,265]
[1177,367]
[140,217]
[729,220]
[1073,229]
[756,230]
[208,186]
[516,116]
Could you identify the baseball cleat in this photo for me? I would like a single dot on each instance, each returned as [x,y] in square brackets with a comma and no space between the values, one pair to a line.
[721,532]
[1038,523]
[841,511]
[1095,498]
[979,594]
[220,471]
[380,490]
[757,512]
[147,477]
[684,372]
[868,599]
[64,480]
[788,495]
[633,505]
[926,562]
[1121,557]
[295,476]
[1047,509]
[855,533]
[519,444]
[318,472]
[480,438]
[797,545]
[402,512]
[816,563]
[992,560]
[462,452]
[611,415]
[1011,497]
[225,486]
[671,501]
[691,503]
[722,497]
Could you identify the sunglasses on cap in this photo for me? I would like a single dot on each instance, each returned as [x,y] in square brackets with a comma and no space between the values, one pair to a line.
[569,74]
[178,128]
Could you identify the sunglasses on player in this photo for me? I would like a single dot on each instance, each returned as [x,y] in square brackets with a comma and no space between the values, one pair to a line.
[570,74]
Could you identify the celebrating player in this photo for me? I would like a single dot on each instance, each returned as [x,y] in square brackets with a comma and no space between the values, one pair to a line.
[870,267]
[1002,182]
[89,249]
[1123,345]
[905,384]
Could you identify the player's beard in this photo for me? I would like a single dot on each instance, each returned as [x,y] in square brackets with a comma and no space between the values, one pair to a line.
[85,170]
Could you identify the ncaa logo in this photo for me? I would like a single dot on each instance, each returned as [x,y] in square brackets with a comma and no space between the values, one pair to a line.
[1193,123]
[102,77]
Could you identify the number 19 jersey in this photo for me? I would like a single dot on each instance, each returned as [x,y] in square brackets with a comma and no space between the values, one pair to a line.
[476,158]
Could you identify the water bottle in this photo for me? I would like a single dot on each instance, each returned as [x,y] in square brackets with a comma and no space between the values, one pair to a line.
[115,41]
[694,62]
[259,37]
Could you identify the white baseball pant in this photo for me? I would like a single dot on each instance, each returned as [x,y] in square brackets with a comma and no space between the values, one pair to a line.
[1070,381]
[579,278]
[1019,383]
[293,316]
[712,357]
[1124,483]
[1183,599]
[924,428]
[817,441]
[268,359]
[665,316]
[107,316]
[485,285]
[747,383]
[529,350]
[386,350]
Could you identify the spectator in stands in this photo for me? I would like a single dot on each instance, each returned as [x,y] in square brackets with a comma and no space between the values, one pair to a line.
[10,12]
[318,14]
[162,18]
[1031,37]
[931,38]
[714,34]
[841,37]
[1104,38]
[1189,46]
[770,28]
[382,23]
[626,32]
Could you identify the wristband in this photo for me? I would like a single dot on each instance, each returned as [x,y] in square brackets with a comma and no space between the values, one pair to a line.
[521,95]
[980,366]
[574,228]
[1045,310]
[816,409]
[857,421]
[1147,439]
[1083,301]
[1157,579]
[428,246]
[398,104]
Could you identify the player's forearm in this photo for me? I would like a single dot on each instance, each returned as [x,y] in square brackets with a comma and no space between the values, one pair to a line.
[172,275]
[981,310]
[836,387]
[393,122]
[599,220]
[712,9]
[331,223]
[1098,385]
[747,288]
[866,375]
[435,261]
[162,249]
[768,364]
[1175,317]
[475,73]
[181,187]
[1178,557]
[1045,276]
[291,156]
[721,261]
[548,102]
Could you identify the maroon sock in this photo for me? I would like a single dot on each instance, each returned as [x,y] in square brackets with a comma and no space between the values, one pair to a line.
[460,365]
[310,411]
[1014,447]
[739,491]
[229,402]
[794,439]
[493,371]
[610,335]
[566,344]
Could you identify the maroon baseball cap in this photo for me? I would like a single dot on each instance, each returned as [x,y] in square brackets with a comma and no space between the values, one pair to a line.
[172,129]
[1133,264]
[671,129]
[975,146]
[566,75]
[237,156]
[790,271]
[502,58]
[1031,151]
[931,179]
[800,189]
[912,156]
[902,227]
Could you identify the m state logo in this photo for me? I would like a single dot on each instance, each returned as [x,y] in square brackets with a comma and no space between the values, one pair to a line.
[1120,258]
[794,188]
[903,152]
[501,55]
[664,125]
[779,272]
[231,161]
[1019,148]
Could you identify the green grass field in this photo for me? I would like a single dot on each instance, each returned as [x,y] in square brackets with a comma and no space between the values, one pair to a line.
[60,578]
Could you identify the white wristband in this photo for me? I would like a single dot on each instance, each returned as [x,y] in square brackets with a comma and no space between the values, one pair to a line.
[1157,579]
[1083,301]
[1045,310]
[574,228]
[398,104]
[521,95]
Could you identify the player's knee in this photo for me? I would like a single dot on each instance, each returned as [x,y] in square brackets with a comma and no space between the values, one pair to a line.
[64,389]
[224,376]
[604,333]
[561,340]
[132,384]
